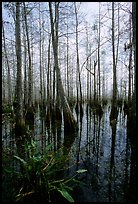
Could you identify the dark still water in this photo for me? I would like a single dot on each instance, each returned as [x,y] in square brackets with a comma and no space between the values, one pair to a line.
[103,149]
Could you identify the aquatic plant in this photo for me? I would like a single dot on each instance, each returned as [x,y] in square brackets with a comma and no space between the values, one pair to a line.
[41,175]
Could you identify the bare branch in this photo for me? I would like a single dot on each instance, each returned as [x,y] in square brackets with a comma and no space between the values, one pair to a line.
[91,54]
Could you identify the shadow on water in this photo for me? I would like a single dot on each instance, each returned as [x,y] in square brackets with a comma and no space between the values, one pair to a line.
[105,146]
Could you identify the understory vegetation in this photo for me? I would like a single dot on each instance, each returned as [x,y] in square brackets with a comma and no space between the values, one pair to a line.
[39,177]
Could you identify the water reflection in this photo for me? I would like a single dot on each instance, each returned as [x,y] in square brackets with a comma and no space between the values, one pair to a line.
[131,134]
[105,148]
[112,172]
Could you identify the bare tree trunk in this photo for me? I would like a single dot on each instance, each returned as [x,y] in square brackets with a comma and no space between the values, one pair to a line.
[25,68]
[68,91]
[114,60]
[30,80]
[90,94]
[79,90]
[48,74]
[118,39]
[114,113]
[3,81]
[54,85]
[49,94]
[69,120]
[29,115]
[19,106]
[134,45]
[40,56]
[130,66]
[78,80]
[8,67]
[87,53]
[99,71]
[43,65]
[94,81]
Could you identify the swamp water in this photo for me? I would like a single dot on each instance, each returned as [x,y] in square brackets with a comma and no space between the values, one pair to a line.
[104,150]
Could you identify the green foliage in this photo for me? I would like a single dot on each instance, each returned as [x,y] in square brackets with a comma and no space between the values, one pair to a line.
[39,174]
[6,109]
[81,171]
[65,194]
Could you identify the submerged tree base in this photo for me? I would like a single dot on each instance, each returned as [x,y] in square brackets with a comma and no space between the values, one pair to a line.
[70,124]
[29,116]
[96,107]
[20,128]
[79,109]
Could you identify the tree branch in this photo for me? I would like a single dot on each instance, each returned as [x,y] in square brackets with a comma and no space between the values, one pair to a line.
[91,54]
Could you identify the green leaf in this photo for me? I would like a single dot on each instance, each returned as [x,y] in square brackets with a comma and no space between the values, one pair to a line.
[21,160]
[33,143]
[9,170]
[68,187]
[81,171]
[66,195]
[47,148]
[79,182]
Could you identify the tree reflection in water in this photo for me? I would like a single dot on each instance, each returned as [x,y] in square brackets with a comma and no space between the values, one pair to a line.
[105,148]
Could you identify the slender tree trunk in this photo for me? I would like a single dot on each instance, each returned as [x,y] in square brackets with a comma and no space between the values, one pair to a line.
[114,60]
[99,71]
[40,56]
[19,129]
[134,45]
[68,85]
[69,120]
[87,53]
[3,82]
[30,79]
[130,67]
[49,94]
[78,63]
[25,68]
[43,65]
[14,72]
[118,40]
[90,94]
[114,113]
[8,67]
[94,81]
[48,74]
[29,115]
[54,86]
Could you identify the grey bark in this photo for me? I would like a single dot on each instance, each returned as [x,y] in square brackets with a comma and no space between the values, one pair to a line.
[130,65]
[114,60]
[30,78]
[40,57]
[25,67]
[94,81]
[134,45]
[8,67]
[68,116]
[99,71]
[87,51]
[48,73]
[19,112]
[68,85]
[79,89]
[43,64]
